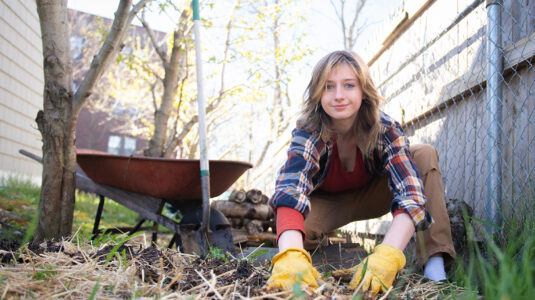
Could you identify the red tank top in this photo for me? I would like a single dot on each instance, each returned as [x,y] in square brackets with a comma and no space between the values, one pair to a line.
[340,180]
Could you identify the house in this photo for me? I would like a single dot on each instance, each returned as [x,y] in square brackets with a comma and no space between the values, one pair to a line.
[111,118]
[21,88]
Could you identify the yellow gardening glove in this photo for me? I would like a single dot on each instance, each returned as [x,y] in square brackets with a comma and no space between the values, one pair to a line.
[382,267]
[290,266]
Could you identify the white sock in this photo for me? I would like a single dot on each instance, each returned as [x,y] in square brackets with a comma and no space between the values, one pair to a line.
[434,268]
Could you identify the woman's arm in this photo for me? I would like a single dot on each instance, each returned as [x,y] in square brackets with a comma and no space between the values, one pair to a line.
[400,231]
[290,239]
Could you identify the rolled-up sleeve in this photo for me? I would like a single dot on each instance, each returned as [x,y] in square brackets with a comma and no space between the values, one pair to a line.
[294,181]
[404,182]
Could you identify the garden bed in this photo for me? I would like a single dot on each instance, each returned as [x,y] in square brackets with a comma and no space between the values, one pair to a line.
[80,269]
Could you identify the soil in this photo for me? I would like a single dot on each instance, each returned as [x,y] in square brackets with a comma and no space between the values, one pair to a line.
[247,279]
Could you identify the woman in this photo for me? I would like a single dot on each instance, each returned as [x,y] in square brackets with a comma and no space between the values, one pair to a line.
[349,161]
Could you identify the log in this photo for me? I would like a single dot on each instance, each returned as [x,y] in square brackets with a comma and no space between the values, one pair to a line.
[238,196]
[243,210]
[254,196]
[239,236]
[266,236]
[265,199]
[254,227]
[263,212]
[233,209]
[236,222]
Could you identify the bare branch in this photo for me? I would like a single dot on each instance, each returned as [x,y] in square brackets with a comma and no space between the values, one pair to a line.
[159,51]
[110,47]
[341,18]
[353,28]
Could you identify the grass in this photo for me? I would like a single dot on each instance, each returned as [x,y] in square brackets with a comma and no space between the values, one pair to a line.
[504,266]
[19,198]
[113,214]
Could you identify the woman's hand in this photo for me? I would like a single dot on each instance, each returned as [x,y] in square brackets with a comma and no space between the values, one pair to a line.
[291,266]
[378,270]
[380,267]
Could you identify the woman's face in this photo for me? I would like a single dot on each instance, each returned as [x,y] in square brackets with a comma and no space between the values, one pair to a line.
[342,96]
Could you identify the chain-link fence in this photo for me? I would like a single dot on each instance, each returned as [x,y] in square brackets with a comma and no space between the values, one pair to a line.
[460,76]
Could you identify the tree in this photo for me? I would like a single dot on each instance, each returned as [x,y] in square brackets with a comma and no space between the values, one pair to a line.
[351,30]
[271,27]
[174,70]
[61,105]
[175,111]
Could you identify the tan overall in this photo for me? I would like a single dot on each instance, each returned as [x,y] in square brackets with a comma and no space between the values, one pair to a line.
[331,211]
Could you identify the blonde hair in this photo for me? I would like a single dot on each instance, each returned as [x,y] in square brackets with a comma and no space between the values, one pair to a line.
[367,123]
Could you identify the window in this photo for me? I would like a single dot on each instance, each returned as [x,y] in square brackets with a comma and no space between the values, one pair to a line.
[114,144]
[129,145]
[121,145]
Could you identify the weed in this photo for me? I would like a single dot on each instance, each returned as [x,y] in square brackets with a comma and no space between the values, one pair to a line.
[95,289]
[256,254]
[218,253]
[48,273]
[113,251]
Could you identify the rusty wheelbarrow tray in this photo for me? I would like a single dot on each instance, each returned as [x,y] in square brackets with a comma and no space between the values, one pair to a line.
[170,179]
[145,185]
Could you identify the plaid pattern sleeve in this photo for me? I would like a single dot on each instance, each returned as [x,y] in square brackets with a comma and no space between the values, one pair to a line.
[295,178]
[404,182]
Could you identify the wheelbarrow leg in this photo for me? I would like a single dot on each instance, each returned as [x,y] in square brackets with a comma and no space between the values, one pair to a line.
[172,241]
[177,239]
[98,216]
[155,224]
[136,228]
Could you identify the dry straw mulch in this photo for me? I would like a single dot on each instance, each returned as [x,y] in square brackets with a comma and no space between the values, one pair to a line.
[73,270]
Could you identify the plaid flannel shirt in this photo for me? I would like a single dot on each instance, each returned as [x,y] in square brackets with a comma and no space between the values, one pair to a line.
[309,159]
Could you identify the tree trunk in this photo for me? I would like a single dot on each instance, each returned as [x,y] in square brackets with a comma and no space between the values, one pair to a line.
[173,72]
[57,120]
[56,123]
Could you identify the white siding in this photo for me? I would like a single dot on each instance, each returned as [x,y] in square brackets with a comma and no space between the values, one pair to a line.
[21,87]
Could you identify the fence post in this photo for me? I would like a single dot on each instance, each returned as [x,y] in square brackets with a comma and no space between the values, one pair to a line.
[494,109]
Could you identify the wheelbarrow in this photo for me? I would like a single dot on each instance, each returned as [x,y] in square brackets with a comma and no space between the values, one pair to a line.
[146,184]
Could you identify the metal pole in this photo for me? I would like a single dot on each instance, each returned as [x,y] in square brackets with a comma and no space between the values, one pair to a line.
[494,106]
[205,171]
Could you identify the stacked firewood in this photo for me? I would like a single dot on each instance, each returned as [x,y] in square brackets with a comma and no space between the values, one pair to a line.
[248,212]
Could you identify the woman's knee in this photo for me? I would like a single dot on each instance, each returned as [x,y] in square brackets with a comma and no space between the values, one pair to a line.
[426,158]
